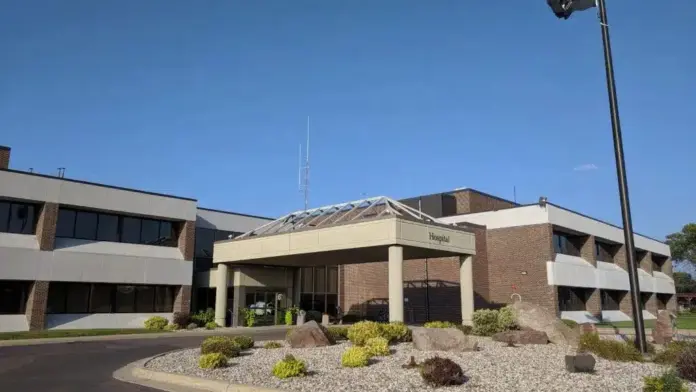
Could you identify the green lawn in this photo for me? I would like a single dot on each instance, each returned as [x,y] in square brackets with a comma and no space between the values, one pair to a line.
[683,322]
[70,333]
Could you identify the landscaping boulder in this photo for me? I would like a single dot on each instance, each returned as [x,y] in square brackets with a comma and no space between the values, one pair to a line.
[662,333]
[580,363]
[308,335]
[526,336]
[535,317]
[442,339]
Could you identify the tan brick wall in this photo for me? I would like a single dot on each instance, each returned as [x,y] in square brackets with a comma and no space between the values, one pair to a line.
[4,157]
[587,249]
[651,305]
[46,226]
[187,236]
[644,261]
[625,305]
[620,257]
[514,251]
[36,305]
[182,301]
[672,304]
[594,303]
[668,268]
[469,201]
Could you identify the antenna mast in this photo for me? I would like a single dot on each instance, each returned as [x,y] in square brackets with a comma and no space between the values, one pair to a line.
[303,182]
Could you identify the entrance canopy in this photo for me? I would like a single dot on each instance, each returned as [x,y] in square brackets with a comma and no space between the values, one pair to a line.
[360,231]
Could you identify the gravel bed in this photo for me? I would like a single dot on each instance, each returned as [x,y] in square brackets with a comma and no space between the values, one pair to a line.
[494,368]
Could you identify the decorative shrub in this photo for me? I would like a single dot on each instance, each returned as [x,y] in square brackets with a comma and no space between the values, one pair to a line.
[377,347]
[171,327]
[289,367]
[202,318]
[192,326]
[338,333]
[485,322]
[288,317]
[570,323]
[156,323]
[609,349]
[222,345]
[272,345]
[360,332]
[244,342]
[439,371]
[506,319]
[355,357]
[396,332]
[211,325]
[249,316]
[212,361]
[667,382]
[439,324]
[686,363]
[181,319]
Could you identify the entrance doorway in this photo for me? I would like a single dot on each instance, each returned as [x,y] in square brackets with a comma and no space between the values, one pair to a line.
[268,306]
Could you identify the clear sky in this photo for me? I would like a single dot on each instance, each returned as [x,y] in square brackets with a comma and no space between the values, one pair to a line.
[208,99]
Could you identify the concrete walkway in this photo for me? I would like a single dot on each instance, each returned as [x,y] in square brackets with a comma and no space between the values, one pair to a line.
[140,336]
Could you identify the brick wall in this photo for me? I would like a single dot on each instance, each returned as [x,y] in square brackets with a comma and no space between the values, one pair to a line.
[36,305]
[587,249]
[46,226]
[644,261]
[470,201]
[626,306]
[187,236]
[182,301]
[4,157]
[514,251]
[651,305]
[594,303]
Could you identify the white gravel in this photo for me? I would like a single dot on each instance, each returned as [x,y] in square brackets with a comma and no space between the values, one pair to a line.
[493,368]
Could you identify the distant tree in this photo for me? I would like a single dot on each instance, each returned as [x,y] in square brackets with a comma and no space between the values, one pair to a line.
[684,283]
[683,244]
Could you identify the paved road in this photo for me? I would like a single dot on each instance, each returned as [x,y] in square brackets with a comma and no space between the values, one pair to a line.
[86,366]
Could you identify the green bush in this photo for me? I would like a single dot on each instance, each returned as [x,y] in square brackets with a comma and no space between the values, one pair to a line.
[202,318]
[181,319]
[609,349]
[171,327]
[244,342]
[570,323]
[686,363]
[439,371]
[249,316]
[360,332]
[338,333]
[288,317]
[377,347]
[289,367]
[211,325]
[485,322]
[355,357]
[439,324]
[156,323]
[272,345]
[396,332]
[467,329]
[671,352]
[212,361]
[222,345]
[506,319]
[667,382]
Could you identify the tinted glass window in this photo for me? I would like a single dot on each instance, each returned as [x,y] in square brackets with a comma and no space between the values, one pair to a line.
[164,299]
[125,299]
[221,235]
[307,281]
[66,224]
[13,295]
[144,299]
[77,298]
[130,230]
[21,219]
[149,232]
[320,280]
[203,263]
[86,225]
[107,229]
[204,242]
[101,298]
[56,297]
[166,233]
[4,215]
[332,282]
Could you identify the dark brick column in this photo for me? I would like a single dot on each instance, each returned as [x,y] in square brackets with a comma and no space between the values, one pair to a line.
[46,226]
[4,157]
[187,236]
[594,304]
[36,305]
[587,250]
[182,301]
[651,306]
[625,305]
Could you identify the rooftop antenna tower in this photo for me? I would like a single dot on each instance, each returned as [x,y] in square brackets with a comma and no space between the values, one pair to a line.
[303,171]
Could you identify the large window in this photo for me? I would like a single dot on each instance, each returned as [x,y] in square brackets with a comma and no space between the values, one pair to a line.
[64,297]
[205,238]
[604,252]
[18,218]
[611,299]
[89,225]
[563,244]
[663,300]
[13,296]
[319,289]
[572,298]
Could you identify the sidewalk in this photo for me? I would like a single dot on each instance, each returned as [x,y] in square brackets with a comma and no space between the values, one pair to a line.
[648,332]
[176,334]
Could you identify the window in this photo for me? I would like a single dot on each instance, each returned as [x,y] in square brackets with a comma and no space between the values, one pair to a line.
[204,242]
[86,225]
[99,226]
[77,298]
[13,296]
[662,300]
[572,298]
[56,297]
[144,299]
[203,264]
[333,280]
[320,280]
[66,297]
[17,218]
[611,299]
[102,298]
[562,244]
[164,299]
[125,299]
[307,281]
[107,229]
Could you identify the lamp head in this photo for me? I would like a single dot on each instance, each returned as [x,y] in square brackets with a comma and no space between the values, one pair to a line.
[564,8]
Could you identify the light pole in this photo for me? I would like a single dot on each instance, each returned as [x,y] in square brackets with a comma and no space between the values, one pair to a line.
[563,9]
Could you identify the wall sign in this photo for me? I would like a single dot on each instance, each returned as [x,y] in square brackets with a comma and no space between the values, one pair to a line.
[440,238]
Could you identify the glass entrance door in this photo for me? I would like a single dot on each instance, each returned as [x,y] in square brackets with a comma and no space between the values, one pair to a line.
[267,307]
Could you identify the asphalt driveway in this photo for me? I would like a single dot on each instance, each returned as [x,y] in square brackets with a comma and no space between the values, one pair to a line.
[88,366]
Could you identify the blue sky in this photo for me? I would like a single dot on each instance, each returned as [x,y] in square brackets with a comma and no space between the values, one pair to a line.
[209,100]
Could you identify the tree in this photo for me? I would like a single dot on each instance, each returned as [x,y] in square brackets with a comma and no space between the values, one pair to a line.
[683,244]
[684,283]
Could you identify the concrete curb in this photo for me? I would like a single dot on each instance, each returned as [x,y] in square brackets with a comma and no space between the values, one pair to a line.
[181,334]
[136,373]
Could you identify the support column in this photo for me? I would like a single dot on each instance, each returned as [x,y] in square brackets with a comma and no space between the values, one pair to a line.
[238,299]
[594,303]
[466,288]
[221,279]
[36,305]
[396,283]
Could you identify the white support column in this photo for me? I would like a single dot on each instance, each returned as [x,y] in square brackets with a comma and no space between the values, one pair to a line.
[396,283]
[466,288]
[221,279]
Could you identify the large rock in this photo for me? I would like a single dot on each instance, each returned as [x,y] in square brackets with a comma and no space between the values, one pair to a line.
[580,363]
[537,318]
[527,336]
[662,333]
[308,335]
[442,339]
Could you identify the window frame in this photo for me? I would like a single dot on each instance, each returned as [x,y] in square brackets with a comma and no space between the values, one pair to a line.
[168,290]
[35,211]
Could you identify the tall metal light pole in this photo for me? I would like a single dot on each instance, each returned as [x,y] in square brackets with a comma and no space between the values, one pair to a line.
[563,9]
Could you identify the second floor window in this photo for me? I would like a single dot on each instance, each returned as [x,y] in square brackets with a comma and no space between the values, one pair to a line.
[561,244]
[98,226]
[205,238]
[17,218]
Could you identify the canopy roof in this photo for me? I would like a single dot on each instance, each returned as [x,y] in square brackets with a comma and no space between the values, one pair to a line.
[351,211]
